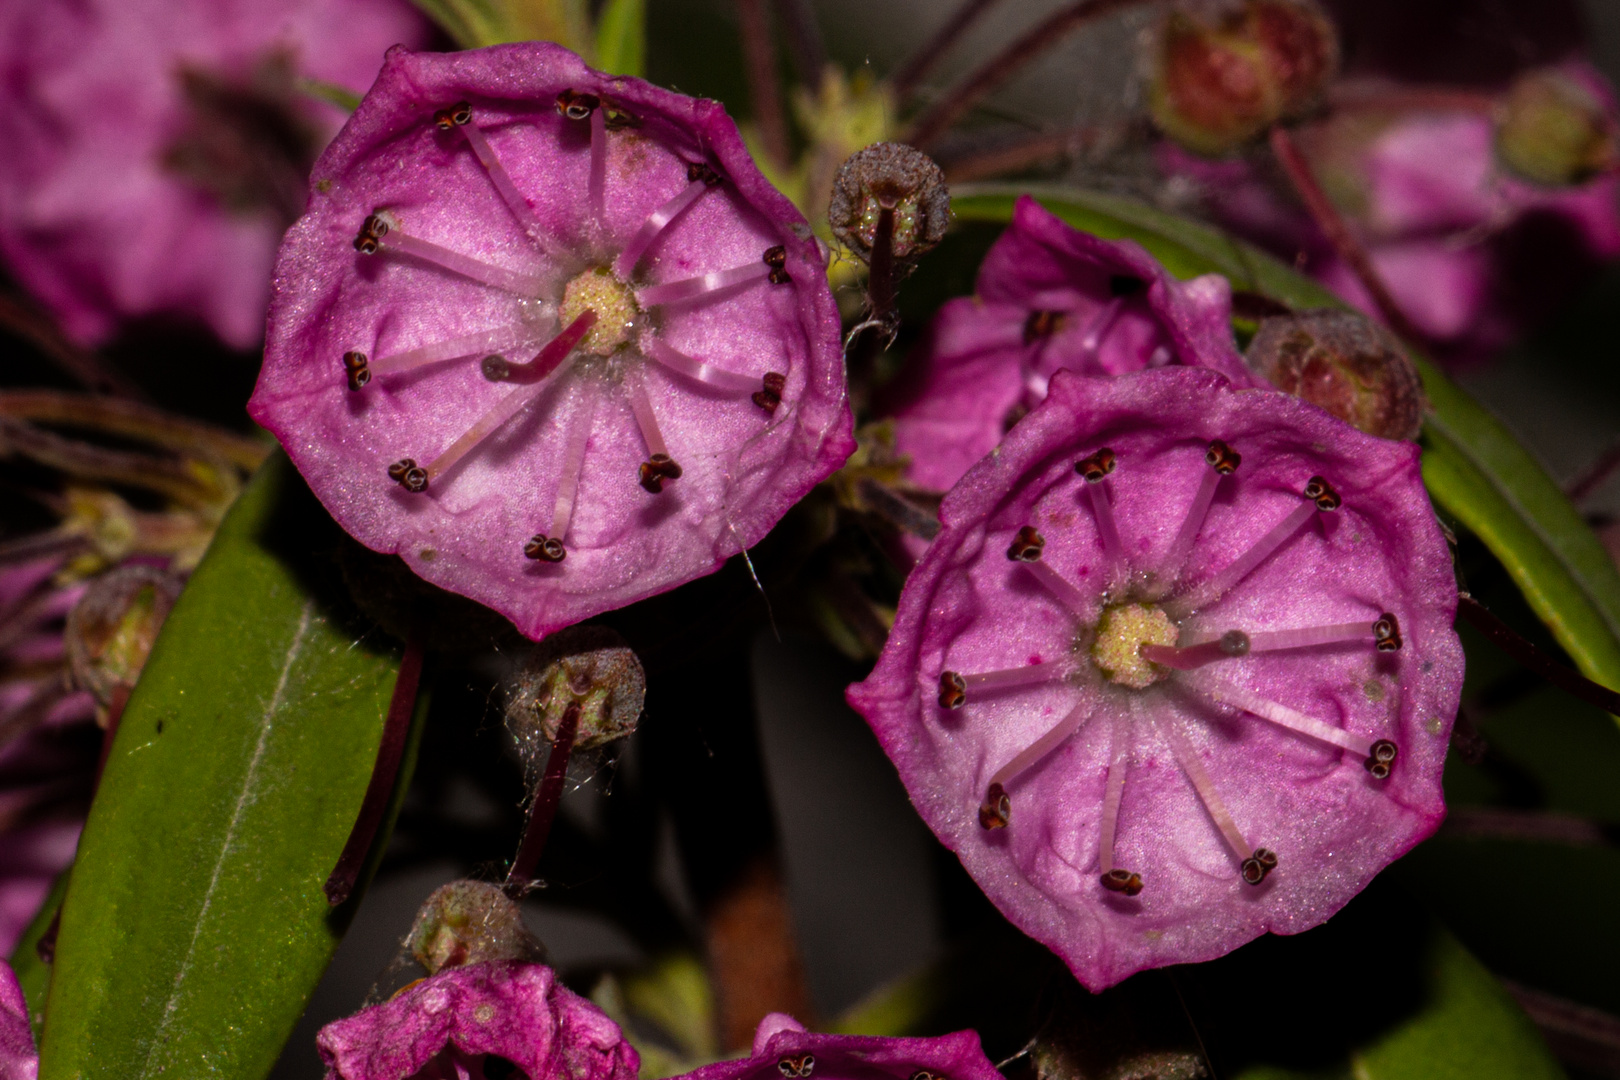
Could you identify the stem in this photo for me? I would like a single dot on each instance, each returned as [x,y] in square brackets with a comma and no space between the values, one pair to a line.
[920,62]
[169,477]
[880,278]
[390,752]
[759,57]
[544,810]
[1410,99]
[1592,477]
[804,40]
[999,69]
[138,421]
[1510,642]
[1338,233]
[90,370]
[896,509]
[1017,155]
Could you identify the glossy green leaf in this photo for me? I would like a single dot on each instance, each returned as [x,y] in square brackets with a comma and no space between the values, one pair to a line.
[621,37]
[194,926]
[1474,468]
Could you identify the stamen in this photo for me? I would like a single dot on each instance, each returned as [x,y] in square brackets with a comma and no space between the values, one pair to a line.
[598,181]
[501,338]
[1036,752]
[1193,767]
[1305,636]
[1283,716]
[551,548]
[1387,632]
[1118,761]
[1321,492]
[659,466]
[1233,643]
[996,809]
[577,106]
[1381,760]
[797,1068]
[1095,469]
[1240,567]
[706,373]
[356,368]
[1026,546]
[702,179]
[956,685]
[461,116]
[381,233]
[690,288]
[769,396]
[1222,461]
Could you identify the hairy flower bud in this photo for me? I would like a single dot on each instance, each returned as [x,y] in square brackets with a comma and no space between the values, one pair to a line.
[1220,77]
[1554,128]
[111,629]
[470,922]
[585,667]
[890,176]
[1345,363]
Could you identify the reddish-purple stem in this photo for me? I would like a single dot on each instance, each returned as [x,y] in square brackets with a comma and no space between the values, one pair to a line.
[880,276]
[544,810]
[1509,641]
[929,53]
[759,58]
[384,774]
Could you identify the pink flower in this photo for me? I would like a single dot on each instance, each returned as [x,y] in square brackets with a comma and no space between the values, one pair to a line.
[476,1022]
[782,1048]
[18,1058]
[156,150]
[1177,671]
[1050,297]
[584,353]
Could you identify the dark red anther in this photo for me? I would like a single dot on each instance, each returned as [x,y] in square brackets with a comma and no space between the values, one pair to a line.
[697,170]
[1222,458]
[544,548]
[409,475]
[372,230]
[1321,492]
[355,367]
[797,1068]
[776,259]
[656,469]
[1122,881]
[1043,324]
[1256,867]
[1381,759]
[577,106]
[1097,466]
[952,690]
[1026,546]
[771,396]
[455,116]
[1387,633]
[997,808]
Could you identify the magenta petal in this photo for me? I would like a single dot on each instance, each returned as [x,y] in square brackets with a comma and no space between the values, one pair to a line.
[574,455]
[1050,298]
[782,1048]
[18,1059]
[967,608]
[515,1011]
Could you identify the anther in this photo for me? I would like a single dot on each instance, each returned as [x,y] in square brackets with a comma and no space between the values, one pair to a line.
[771,396]
[455,116]
[1381,759]
[656,469]
[952,690]
[1222,458]
[1026,546]
[545,548]
[800,1067]
[1321,493]
[1097,466]
[776,259]
[924,1074]
[409,475]
[1387,633]
[577,106]
[356,367]
[697,170]
[372,230]
[1257,866]
[495,368]
[997,808]
[1125,285]
[1042,324]
[1122,881]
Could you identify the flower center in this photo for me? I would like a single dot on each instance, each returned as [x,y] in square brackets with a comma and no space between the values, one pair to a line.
[1121,633]
[613,301]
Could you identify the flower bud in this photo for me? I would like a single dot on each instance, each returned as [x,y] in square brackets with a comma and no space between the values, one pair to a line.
[890,176]
[470,922]
[111,629]
[1220,76]
[1345,363]
[588,667]
[1554,129]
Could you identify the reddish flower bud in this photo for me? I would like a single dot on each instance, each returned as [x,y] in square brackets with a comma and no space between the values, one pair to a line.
[1345,363]
[470,922]
[1556,127]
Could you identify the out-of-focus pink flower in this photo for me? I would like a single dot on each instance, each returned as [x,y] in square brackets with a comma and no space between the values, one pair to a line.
[584,353]
[156,149]
[1178,670]
[782,1048]
[475,1023]
[18,1058]
[1050,297]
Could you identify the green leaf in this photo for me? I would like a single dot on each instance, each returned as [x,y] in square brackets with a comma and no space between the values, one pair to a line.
[194,926]
[621,37]
[1474,468]
[33,974]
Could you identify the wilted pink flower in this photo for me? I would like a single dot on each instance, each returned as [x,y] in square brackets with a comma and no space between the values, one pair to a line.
[1050,297]
[584,353]
[476,1022]
[18,1058]
[1178,670]
[782,1048]
[156,149]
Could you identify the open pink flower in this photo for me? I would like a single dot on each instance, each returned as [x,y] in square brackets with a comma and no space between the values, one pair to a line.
[584,351]
[1178,670]
[475,1023]
[1050,297]
[782,1048]
[156,149]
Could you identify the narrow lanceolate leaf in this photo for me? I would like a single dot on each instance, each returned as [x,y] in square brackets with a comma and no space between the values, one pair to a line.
[621,37]
[194,926]
[1474,468]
